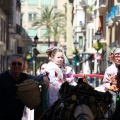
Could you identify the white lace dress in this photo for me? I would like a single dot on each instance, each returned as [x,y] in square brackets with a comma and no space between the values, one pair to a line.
[55,76]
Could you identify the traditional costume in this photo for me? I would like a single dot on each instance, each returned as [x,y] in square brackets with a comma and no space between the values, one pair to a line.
[55,76]
[68,74]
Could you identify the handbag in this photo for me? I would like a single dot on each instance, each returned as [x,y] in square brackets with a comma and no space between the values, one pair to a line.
[29,93]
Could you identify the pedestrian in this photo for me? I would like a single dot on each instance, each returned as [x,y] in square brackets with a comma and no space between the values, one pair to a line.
[41,69]
[26,68]
[109,75]
[68,74]
[109,81]
[111,57]
[11,108]
[54,73]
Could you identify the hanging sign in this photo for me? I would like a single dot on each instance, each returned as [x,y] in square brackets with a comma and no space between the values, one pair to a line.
[97,56]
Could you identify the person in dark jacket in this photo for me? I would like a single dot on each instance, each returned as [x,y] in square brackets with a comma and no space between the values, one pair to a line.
[11,108]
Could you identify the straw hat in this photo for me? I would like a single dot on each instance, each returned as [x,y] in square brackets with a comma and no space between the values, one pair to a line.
[29,93]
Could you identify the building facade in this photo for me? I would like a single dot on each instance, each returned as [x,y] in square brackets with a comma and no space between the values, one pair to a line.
[9,30]
[88,17]
[30,10]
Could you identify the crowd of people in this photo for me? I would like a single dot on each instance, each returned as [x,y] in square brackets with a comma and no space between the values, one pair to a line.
[55,73]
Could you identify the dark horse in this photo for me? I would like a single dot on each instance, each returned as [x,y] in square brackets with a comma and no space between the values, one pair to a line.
[80,102]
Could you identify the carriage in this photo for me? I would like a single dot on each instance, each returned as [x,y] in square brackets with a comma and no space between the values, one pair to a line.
[80,102]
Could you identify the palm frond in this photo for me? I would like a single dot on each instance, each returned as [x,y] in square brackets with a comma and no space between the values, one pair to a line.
[53,21]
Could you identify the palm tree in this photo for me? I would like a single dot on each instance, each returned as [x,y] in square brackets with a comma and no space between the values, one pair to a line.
[51,20]
[57,31]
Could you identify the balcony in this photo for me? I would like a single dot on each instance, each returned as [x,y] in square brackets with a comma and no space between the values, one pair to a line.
[103,5]
[90,18]
[15,31]
[83,28]
[6,6]
[71,1]
[84,3]
[18,29]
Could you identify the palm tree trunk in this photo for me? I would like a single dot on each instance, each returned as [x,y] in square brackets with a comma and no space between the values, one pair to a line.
[55,42]
[48,41]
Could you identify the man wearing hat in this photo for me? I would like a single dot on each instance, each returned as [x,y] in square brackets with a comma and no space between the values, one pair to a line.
[109,79]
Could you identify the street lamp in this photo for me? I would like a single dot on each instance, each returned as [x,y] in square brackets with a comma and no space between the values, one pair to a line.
[98,35]
[35,52]
[65,49]
[36,40]
[75,45]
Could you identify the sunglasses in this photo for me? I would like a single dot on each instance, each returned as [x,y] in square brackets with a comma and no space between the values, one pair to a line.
[16,63]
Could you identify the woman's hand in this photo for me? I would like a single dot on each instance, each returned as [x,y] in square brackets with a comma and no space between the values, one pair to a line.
[111,77]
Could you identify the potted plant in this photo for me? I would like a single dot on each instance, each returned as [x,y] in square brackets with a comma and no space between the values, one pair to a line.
[89,9]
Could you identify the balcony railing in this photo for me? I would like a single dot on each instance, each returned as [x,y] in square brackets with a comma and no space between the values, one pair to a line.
[103,5]
[71,1]
[93,79]
[84,3]
[90,18]
[18,29]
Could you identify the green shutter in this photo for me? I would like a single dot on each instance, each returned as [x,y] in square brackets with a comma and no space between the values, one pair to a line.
[29,48]
[23,16]
[80,42]
[30,16]
[32,2]
[43,48]
[55,2]
[22,0]
[42,32]
[23,33]
[32,32]
[45,2]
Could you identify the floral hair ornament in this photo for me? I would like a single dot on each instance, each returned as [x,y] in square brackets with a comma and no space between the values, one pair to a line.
[117,50]
[53,48]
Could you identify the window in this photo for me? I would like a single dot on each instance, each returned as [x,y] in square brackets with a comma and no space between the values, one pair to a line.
[42,32]
[29,48]
[92,35]
[23,16]
[55,2]
[43,48]
[23,33]
[32,32]
[32,2]
[22,0]
[45,2]
[80,42]
[88,38]
[32,16]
